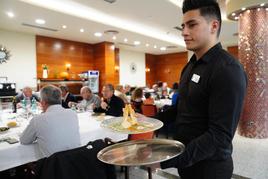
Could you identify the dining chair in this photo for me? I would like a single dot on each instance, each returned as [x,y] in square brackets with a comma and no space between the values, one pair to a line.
[148,110]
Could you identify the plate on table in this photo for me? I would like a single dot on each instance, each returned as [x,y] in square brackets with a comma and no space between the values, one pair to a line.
[98,114]
[145,124]
[141,152]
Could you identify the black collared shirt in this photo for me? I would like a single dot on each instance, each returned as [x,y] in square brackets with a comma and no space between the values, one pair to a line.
[114,108]
[211,91]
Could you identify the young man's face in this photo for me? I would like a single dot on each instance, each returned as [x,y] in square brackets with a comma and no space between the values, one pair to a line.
[196,30]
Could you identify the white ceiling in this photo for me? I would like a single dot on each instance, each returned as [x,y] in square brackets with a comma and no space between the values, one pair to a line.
[147,21]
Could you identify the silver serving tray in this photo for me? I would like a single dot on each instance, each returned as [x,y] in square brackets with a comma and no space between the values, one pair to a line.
[146,123]
[141,152]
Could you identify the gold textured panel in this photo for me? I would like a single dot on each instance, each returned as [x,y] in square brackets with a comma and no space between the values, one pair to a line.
[253,53]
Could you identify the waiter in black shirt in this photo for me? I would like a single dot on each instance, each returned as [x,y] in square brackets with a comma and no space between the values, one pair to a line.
[212,89]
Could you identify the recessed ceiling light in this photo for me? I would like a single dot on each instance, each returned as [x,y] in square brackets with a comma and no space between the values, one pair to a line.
[155,46]
[233,14]
[82,30]
[163,48]
[125,40]
[243,8]
[262,4]
[258,9]
[64,26]
[10,14]
[266,9]
[137,42]
[236,18]
[114,38]
[147,45]
[98,34]
[40,21]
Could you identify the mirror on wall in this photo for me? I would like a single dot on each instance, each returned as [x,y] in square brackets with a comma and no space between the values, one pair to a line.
[4,54]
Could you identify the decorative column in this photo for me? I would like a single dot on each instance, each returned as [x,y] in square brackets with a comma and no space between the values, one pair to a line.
[253,54]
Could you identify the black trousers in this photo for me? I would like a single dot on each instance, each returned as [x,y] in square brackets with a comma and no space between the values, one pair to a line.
[208,169]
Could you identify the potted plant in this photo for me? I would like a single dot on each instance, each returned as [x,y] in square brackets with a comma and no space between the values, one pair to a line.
[45,71]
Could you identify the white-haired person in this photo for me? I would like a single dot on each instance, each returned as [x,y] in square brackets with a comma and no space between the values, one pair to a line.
[56,129]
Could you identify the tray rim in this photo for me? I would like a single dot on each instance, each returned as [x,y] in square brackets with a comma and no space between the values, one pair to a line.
[182,146]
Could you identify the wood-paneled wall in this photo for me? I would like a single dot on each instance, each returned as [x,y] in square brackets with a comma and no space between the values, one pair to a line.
[233,50]
[117,64]
[150,63]
[166,68]
[56,53]
[104,61]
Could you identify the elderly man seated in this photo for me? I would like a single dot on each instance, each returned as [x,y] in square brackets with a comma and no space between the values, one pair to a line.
[111,104]
[119,91]
[89,101]
[54,130]
[27,94]
[66,96]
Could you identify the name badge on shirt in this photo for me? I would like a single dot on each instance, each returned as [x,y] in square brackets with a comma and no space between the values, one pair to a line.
[195,78]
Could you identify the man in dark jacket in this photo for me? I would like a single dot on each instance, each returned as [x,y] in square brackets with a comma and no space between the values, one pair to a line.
[66,96]
[110,104]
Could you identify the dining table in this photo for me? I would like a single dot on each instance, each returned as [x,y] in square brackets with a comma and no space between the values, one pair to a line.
[13,155]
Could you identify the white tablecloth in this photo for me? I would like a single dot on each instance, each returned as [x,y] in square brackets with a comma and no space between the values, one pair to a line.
[162,102]
[12,155]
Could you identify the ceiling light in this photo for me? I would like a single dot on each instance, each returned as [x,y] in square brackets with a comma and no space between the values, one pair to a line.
[64,26]
[236,18]
[262,4]
[243,8]
[98,34]
[10,14]
[155,46]
[82,30]
[40,21]
[258,9]
[111,32]
[233,14]
[125,40]
[147,45]
[114,37]
[163,48]
[137,42]
[266,9]
[110,1]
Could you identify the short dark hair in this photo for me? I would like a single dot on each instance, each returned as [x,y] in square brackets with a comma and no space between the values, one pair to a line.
[175,86]
[110,87]
[147,95]
[64,88]
[208,8]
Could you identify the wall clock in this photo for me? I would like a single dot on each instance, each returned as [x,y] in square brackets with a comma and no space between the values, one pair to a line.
[4,54]
[133,67]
